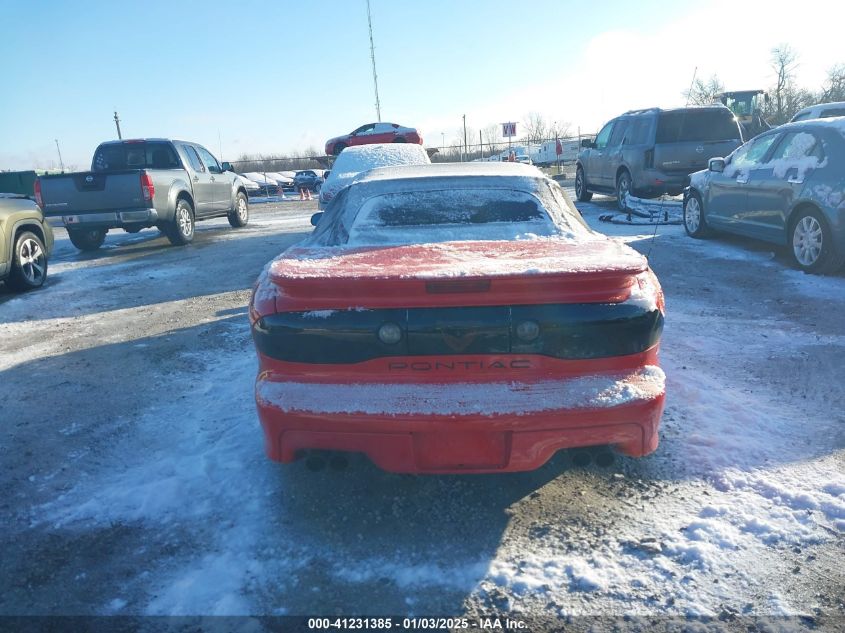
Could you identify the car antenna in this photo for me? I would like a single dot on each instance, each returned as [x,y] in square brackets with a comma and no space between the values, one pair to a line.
[656,224]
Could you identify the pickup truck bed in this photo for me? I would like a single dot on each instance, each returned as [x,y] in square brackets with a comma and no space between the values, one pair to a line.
[175,184]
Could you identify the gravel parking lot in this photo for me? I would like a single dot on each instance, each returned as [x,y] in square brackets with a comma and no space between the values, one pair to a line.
[134,479]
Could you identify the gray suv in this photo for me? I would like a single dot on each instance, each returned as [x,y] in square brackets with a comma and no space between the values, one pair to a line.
[647,153]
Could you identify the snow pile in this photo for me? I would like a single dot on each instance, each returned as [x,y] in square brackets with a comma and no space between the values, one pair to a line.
[643,293]
[484,399]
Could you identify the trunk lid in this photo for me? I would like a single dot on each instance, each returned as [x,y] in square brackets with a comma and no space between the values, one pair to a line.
[541,271]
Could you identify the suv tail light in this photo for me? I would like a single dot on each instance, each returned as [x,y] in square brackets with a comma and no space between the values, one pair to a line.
[147,186]
[38,200]
[649,159]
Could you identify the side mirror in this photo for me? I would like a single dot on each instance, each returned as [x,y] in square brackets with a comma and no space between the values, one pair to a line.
[716,164]
[227,167]
[326,173]
[587,143]
[315,219]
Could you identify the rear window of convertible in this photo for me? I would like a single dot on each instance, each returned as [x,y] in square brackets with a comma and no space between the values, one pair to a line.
[448,215]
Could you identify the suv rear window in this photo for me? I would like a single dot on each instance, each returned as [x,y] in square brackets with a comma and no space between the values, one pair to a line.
[135,156]
[696,126]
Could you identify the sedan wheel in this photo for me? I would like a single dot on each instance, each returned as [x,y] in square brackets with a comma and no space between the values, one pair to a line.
[695,224]
[30,264]
[812,246]
[807,241]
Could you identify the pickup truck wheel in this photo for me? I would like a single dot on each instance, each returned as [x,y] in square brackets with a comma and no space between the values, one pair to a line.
[181,230]
[239,216]
[87,239]
[695,224]
[29,268]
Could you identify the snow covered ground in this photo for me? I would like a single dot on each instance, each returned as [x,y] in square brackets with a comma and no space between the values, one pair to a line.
[134,480]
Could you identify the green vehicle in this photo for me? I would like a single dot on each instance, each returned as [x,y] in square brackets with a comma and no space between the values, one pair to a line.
[26,241]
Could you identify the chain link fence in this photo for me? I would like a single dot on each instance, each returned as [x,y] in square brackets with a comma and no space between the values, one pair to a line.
[540,152]
[274,174]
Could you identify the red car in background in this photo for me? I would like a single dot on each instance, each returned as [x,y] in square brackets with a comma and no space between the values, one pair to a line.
[373,133]
[457,318]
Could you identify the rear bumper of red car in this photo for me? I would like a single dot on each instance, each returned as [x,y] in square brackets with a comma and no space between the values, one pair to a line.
[462,427]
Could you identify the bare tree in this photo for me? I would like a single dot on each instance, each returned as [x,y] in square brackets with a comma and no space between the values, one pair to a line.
[536,128]
[834,88]
[490,138]
[559,129]
[784,61]
[704,92]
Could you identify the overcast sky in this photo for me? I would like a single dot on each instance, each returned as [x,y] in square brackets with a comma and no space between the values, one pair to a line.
[277,76]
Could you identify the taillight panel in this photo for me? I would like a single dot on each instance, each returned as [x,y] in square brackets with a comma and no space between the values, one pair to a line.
[565,331]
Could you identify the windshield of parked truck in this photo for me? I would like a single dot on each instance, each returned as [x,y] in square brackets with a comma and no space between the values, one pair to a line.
[697,126]
[135,155]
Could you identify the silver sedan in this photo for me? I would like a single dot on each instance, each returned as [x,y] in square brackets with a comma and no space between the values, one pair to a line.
[786,186]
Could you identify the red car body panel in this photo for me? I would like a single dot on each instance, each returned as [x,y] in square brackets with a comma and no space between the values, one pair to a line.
[492,273]
[395,134]
[615,400]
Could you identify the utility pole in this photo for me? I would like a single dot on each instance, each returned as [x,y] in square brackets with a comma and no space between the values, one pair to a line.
[58,149]
[466,149]
[117,124]
[373,58]
[480,144]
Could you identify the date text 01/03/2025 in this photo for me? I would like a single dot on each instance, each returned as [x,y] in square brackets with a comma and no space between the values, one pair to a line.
[412,624]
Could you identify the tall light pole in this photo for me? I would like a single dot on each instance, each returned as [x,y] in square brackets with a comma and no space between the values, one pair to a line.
[373,58]
[117,124]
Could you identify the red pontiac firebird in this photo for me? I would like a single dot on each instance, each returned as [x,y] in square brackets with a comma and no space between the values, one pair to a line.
[373,133]
[457,318]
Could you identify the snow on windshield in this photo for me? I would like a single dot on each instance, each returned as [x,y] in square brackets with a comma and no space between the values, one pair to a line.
[448,216]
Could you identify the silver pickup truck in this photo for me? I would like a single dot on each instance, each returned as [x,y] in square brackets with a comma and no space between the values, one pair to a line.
[136,184]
